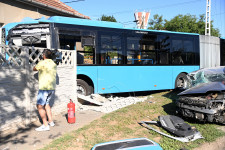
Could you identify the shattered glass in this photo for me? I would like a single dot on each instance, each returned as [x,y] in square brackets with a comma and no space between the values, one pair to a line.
[215,74]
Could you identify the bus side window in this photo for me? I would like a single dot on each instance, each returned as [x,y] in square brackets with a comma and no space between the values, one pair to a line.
[177,51]
[141,50]
[66,42]
[177,59]
[163,57]
[85,55]
[80,58]
[80,54]
[189,51]
[163,49]
[108,60]
[222,52]
[133,50]
[182,51]
[111,49]
[87,48]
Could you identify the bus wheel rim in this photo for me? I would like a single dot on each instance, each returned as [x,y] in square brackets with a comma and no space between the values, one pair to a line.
[181,83]
[81,90]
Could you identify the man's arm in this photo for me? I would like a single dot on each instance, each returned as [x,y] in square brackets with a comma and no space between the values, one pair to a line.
[34,69]
[38,66]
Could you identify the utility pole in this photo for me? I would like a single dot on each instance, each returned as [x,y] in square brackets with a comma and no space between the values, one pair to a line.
[208,18]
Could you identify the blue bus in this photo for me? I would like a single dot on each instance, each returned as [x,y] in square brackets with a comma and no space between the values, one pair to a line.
[222,51]
[112,58]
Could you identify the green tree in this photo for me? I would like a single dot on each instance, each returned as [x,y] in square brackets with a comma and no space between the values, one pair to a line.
[201,25]
[107,18]
[157,23]
[183,23]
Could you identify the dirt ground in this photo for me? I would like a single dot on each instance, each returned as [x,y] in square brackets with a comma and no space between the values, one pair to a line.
[219,144]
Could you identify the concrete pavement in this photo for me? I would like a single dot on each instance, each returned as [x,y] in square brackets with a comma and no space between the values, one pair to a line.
[28,138]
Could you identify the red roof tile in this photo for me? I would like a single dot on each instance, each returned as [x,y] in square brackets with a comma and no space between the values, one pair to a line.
[61,6]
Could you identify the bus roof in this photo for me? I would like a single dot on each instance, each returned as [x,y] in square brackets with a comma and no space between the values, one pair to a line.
[26,20]
[77,21]
[84,22]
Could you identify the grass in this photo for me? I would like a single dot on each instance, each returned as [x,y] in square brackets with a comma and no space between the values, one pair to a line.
[123,124]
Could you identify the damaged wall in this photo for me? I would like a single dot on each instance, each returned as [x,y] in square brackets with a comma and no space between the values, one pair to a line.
[19,86]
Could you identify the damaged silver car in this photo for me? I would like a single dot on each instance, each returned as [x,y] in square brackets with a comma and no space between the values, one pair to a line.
[204,99]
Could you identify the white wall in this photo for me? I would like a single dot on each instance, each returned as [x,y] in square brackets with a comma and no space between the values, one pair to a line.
[19,87]
[209,51]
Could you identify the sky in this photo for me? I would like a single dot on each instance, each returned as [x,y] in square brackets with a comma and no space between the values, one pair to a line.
[123,10]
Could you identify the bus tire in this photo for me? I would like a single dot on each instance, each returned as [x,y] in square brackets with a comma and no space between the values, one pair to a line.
[84,88]
[181,81]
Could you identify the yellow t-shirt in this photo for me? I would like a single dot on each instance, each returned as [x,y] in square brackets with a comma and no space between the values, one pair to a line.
[46,74]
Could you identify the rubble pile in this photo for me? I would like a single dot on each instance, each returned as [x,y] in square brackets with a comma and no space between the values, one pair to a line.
[107,105]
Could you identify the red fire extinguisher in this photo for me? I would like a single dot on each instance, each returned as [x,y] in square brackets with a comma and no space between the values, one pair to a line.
[71,112]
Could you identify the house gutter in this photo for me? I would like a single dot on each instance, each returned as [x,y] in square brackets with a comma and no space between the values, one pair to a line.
[53,9]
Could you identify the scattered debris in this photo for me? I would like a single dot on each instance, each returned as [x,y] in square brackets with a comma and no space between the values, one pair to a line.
[134,144]
[176,126]
[107,105]
[97,100]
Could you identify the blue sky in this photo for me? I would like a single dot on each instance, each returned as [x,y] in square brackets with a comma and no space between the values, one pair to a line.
[123,10]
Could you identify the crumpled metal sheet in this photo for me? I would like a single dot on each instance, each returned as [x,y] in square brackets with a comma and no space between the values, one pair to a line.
[204,88]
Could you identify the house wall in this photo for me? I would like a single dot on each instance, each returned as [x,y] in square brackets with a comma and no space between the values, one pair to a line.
[19,86]
[14,11]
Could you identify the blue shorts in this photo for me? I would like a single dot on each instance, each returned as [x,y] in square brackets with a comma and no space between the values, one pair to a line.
[44,96]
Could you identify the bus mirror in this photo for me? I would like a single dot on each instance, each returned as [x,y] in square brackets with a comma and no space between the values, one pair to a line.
[88,41]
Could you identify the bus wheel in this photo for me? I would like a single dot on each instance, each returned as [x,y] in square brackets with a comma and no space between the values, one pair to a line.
[84,88]
[181,81]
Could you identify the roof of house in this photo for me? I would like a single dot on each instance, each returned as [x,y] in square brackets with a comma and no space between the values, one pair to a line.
[56,5]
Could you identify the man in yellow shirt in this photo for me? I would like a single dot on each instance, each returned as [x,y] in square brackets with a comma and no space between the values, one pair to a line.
[47,81]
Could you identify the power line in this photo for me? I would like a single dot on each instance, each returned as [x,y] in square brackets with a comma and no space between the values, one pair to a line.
[218,14]
[129,22]
[157,7]
[133,21]
[73,1]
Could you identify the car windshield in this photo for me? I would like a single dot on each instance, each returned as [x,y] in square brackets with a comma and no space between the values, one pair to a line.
[216,74]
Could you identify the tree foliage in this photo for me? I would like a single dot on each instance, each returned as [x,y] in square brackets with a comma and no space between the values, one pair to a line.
[182,23]
[107,18]
[157,23]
